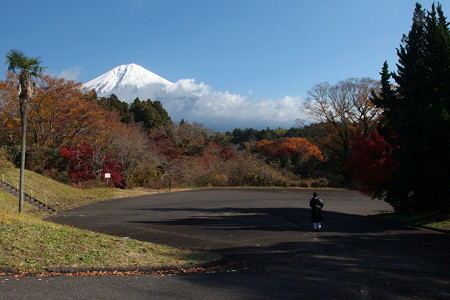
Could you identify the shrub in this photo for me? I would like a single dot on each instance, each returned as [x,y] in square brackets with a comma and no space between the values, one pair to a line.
[62,177]
[251,171]
[148,175]
[219,180]
[320,182]
[5,158]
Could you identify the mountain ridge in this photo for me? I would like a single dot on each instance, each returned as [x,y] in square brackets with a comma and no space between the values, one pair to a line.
[128,82]
[185,99]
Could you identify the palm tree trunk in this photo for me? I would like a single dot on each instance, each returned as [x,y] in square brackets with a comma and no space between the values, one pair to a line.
[23,112]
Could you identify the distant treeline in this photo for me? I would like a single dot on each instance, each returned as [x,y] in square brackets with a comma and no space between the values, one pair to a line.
[152,115]
[310,132]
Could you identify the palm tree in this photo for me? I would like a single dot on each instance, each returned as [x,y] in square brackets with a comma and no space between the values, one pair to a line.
[26,68]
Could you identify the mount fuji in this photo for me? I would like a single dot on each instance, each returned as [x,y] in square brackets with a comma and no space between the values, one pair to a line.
[196,102]
[128,82]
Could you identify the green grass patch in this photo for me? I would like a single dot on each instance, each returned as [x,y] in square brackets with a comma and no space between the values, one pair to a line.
[432,220]
[30,245]
[9,203]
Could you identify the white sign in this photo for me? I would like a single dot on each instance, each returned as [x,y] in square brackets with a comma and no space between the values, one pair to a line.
[107,175]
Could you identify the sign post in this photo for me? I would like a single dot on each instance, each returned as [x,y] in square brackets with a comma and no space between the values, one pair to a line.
[107,176]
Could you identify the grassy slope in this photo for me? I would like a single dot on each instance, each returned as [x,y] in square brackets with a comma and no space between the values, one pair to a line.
[61,196]
[30,244]
[438,221]
[10,204]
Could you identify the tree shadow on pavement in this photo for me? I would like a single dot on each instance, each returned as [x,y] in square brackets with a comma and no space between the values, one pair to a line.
[262,219]
[324,266]
[354,257]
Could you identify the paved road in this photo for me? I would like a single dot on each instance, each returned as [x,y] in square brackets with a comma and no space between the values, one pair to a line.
[268,233]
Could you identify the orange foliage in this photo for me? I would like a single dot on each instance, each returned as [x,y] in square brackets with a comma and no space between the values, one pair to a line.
[289,147]
[9,104]
[60,114]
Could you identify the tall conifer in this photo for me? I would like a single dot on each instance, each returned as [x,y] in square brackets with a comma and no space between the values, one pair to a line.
[417,110]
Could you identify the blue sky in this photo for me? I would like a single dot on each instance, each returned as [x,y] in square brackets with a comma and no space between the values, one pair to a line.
[259,49]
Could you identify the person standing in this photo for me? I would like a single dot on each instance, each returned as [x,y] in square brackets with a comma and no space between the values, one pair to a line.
[316,205]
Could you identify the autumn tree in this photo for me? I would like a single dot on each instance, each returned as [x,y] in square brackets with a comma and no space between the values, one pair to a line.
[290,152]
[85,162]
[347,106]
[10,115]
[182,139]
[192,154]
[373,164]
[289,147]
[417,110]
[61,114]
[347,110]
[130,145]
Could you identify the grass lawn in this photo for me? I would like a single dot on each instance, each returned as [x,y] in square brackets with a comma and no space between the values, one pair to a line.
[432,220]
[29,244]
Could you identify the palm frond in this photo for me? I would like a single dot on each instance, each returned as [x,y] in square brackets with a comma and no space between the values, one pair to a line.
[19,63]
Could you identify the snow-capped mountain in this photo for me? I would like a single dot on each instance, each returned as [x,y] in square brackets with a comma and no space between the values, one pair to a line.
[195,102]
[128,82]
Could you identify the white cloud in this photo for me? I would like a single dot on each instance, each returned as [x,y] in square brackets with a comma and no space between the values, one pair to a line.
[72,73]
[225,111]
[218,110]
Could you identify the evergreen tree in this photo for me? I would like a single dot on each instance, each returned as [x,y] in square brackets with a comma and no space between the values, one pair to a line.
[113,103]
[150,113]
[417,111]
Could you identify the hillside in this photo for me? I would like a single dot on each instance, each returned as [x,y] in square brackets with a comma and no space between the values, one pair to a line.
[9,203]
[29,244]
[61,196]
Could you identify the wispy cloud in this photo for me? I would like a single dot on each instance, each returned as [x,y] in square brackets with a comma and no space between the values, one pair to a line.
[137,3]
[72,73]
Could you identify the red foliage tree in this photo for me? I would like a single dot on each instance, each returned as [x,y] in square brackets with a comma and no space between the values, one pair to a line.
[164,143]
[87,163]
[372,164]
[223,152]
[289,147]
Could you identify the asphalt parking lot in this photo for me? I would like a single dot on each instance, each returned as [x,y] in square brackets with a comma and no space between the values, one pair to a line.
[266,233]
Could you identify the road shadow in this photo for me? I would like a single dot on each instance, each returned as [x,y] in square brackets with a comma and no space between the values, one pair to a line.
[271,251]
[263,219]
[378,266]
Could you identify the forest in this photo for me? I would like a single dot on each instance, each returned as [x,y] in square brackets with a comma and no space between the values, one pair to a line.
[388,137]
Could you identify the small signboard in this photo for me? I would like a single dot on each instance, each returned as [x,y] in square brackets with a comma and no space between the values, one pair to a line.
[107,175]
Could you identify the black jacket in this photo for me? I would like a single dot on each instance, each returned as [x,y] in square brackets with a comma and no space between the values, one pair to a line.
[316,205]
